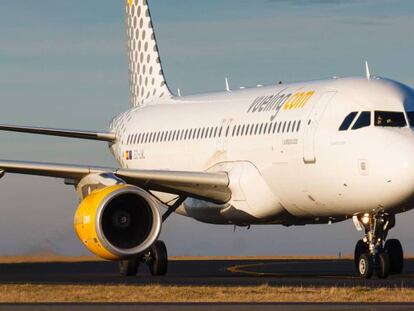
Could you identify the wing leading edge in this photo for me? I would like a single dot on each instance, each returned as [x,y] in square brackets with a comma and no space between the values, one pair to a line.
[90,135]
[204,185]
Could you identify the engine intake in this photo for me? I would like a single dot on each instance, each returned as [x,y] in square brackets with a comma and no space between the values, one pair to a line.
[118,222]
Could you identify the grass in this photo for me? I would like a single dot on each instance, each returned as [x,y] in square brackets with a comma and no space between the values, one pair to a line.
[183,294]
[123,293]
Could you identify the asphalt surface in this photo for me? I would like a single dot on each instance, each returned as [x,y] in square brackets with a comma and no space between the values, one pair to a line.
[206,272]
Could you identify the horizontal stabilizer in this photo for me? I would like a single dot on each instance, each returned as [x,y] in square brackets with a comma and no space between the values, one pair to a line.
[102,136]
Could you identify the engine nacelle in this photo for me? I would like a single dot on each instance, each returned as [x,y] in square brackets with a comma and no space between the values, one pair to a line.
[118,222]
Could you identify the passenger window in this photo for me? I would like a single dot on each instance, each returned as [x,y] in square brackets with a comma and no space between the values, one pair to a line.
[215,132]
[298,128]
[288,128]
[265,128]
[274,127]
[221,131]
[228,131]
[261,127]
[251,129]
[348,121]
[284,127]
[390,119]
[279,127]
[364,120]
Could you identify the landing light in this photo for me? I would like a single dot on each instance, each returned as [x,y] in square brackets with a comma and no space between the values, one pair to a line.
[365,219]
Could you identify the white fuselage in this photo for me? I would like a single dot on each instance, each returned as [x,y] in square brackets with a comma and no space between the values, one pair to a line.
[287,160]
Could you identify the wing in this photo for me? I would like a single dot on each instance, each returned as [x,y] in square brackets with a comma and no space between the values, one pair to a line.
[207,186]
[102,136]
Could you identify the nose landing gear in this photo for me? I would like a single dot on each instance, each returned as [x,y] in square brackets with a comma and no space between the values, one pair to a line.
[373,254]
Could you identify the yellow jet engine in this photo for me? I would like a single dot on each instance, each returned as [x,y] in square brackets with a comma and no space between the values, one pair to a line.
[118,222]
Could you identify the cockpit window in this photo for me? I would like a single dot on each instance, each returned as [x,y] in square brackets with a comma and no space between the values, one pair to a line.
[390,119]
[348,121]
[410,116]
[364,120]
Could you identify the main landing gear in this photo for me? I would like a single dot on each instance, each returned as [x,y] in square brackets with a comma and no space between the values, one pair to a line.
[374,254]
[156,259]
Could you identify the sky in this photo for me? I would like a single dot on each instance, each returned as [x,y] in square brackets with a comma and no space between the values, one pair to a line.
[63,64]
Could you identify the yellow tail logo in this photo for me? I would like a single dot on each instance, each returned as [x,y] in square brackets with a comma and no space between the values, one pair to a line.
[130,2]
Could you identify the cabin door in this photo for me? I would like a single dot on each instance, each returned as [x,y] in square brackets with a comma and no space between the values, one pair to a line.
[312,124]
[223,136]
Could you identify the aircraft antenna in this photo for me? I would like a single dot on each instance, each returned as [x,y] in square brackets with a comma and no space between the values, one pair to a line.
[227,85]
[367,71]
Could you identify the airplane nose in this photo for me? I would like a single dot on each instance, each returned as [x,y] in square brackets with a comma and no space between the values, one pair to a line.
[400,169]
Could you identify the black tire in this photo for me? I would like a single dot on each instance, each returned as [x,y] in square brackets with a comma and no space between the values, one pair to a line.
[129,267]
[382,268]
[159,259]
[360,248]
[395,252]
[365,266]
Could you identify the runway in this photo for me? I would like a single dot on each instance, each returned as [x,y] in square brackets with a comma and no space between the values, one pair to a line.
[205,272]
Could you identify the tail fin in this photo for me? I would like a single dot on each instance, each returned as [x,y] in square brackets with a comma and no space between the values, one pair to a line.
[146,77]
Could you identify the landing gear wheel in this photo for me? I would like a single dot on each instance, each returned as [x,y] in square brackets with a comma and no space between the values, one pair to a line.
[159,259]
[360,248]
[382,265]
[395,252]
[365,266]
[129,267]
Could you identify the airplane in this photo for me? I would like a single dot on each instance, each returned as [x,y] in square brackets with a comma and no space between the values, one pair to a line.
[294,154]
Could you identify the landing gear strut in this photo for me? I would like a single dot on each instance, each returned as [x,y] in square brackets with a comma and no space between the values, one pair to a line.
[375,255]
[156,259]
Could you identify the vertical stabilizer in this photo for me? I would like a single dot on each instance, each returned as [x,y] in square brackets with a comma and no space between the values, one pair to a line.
[146,78]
